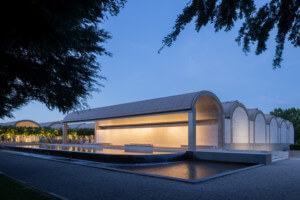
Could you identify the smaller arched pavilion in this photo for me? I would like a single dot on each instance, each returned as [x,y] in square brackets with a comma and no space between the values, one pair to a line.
[236,123]
[258,128]
[22,123]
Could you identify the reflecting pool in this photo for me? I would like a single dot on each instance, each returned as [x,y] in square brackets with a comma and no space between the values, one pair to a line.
[190,170]
[80,148]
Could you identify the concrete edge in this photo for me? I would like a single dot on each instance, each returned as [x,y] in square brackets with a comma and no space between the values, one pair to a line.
[233,157]
[30,186]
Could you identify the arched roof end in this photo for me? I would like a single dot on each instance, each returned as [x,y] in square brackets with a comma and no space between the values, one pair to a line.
[254,112]
[230,106]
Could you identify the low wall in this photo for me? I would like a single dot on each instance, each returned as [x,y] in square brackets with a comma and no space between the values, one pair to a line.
[107,158]
[257,147]
[235,157]
[294,153]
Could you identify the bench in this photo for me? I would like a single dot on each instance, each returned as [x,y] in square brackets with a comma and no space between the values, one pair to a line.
[136,147]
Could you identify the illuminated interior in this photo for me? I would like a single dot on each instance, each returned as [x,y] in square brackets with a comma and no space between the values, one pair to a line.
[164,130]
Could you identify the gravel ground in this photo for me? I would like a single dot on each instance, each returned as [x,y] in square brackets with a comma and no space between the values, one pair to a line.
[276,181]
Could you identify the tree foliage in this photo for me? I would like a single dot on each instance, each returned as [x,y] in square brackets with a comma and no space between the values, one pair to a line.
[9,133]
[258,23]
[48,51]
[291,114]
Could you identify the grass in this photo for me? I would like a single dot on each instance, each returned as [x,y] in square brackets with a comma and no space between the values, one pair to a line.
[12,190]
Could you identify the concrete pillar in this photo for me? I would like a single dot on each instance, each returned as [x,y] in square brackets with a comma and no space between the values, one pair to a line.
[65,133]
[95,131]
[192,130]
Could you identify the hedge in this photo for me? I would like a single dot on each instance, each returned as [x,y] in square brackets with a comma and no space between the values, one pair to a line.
[295,147]
[42,131]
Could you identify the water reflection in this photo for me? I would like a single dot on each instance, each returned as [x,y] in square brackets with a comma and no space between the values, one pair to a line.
[187,169]
[92,149]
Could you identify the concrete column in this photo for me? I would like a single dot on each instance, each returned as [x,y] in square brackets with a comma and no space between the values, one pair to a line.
[221,131]
[65,133]
[192,130]
[95,131]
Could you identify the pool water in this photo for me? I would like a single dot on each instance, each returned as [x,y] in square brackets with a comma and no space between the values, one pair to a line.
[190,170]
[92,149]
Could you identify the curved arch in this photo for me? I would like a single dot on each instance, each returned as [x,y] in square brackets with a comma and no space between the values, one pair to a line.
[254,112]
[209,117]
[230,106]
[26,123]
[55,124]
[205,93]
[279,121]
[259,136]
[269,118]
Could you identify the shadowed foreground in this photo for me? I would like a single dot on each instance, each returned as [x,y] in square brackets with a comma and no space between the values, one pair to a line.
[277,181]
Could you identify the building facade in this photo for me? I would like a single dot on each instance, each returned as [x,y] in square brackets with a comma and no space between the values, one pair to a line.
[190,121]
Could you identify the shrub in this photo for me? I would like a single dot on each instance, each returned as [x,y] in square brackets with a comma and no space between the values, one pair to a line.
[9,132]
[295,147]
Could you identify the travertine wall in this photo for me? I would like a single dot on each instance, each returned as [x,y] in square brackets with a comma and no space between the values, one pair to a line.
[251,132]
[158,136]
[227,130]
[260,129]
[283,133]
[168,136]
[240,126]
[291,133]
[273,131]
[207,134]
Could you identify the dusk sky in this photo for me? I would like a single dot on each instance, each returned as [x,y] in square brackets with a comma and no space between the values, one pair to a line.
[196,61]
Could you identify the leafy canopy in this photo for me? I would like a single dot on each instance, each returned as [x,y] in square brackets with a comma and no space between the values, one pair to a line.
[258,23]
[291,114]
[48,51]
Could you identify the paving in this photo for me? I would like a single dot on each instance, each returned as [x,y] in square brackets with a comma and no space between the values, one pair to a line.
[276,181]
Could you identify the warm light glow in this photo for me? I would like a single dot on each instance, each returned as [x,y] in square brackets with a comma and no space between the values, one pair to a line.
[26,124]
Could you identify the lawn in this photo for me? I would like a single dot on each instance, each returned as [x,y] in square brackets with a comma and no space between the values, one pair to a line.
[12,190]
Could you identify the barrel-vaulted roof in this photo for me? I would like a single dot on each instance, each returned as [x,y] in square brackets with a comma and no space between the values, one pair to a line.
[280,121]
[269,118]
[254,112]
[177,103]
[230,106]
[50,124]
[82,125]
[289,124]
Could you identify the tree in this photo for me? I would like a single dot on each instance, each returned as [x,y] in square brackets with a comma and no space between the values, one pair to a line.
[291,114]
[281,14]
[48,51]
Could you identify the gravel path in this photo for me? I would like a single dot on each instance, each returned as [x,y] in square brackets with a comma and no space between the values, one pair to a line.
[277,181]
